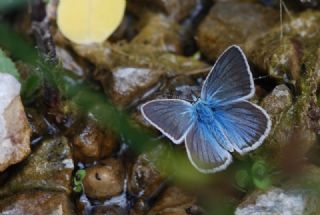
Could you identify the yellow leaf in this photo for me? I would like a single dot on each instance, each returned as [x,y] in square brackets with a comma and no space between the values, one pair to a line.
[89,21]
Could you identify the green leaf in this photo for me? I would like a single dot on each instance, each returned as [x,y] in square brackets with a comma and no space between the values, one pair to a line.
[7,66]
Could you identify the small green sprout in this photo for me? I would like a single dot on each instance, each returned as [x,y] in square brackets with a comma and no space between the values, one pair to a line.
[78,179]
[260,175]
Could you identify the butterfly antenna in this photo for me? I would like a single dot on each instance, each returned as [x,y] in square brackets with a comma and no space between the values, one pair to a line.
[261,77]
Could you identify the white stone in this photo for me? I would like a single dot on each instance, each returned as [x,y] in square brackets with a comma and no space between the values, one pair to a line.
[9,89]
[14,127]
[275,202]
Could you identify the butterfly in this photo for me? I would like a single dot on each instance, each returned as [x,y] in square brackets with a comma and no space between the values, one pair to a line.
[221,121]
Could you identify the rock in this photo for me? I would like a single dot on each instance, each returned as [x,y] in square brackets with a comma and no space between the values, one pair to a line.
[136,68]
[176,9]
[282,58]
[14,128]
[48,168]
[91,143]
[109,56]
[145,180]
[233,23]
[130,83]
[298,195]
[279,201]
[173,201]
[104,181]
[162,32]
[295,128]
[107,210]
[37,202]
[277,102]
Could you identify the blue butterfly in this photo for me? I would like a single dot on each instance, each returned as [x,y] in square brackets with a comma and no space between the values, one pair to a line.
[220,121]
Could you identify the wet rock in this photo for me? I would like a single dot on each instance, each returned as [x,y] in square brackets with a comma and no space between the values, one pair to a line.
[145,180]
[233,23]
[173,201]
[130,83]
[14,128]
[279,201]
[162,32]
[92,143]
[48,168]
[104,181]
[282,57]
[176,9]
[37,202]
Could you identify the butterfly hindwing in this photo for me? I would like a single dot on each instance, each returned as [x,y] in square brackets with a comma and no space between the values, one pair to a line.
[229,80]
[173,117]
[204,151]
[243,124]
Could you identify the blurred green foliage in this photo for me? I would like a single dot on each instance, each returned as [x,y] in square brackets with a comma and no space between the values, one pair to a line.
[7,66]
[94,102]
[8,5]
[257,175]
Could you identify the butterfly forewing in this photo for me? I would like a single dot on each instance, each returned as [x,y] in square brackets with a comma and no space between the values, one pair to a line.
[229,80]
[173,117]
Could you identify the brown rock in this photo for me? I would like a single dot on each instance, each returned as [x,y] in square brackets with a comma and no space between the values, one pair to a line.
[131,82]
[174,202]
[233,23]
[162,32]
[91,142]
[48,168]
[284,57]
[277,102]
[145,180]
[37,203]
[104,181]
[108,210]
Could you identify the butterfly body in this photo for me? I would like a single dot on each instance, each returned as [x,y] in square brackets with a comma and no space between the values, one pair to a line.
[220,121]
[203,112]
